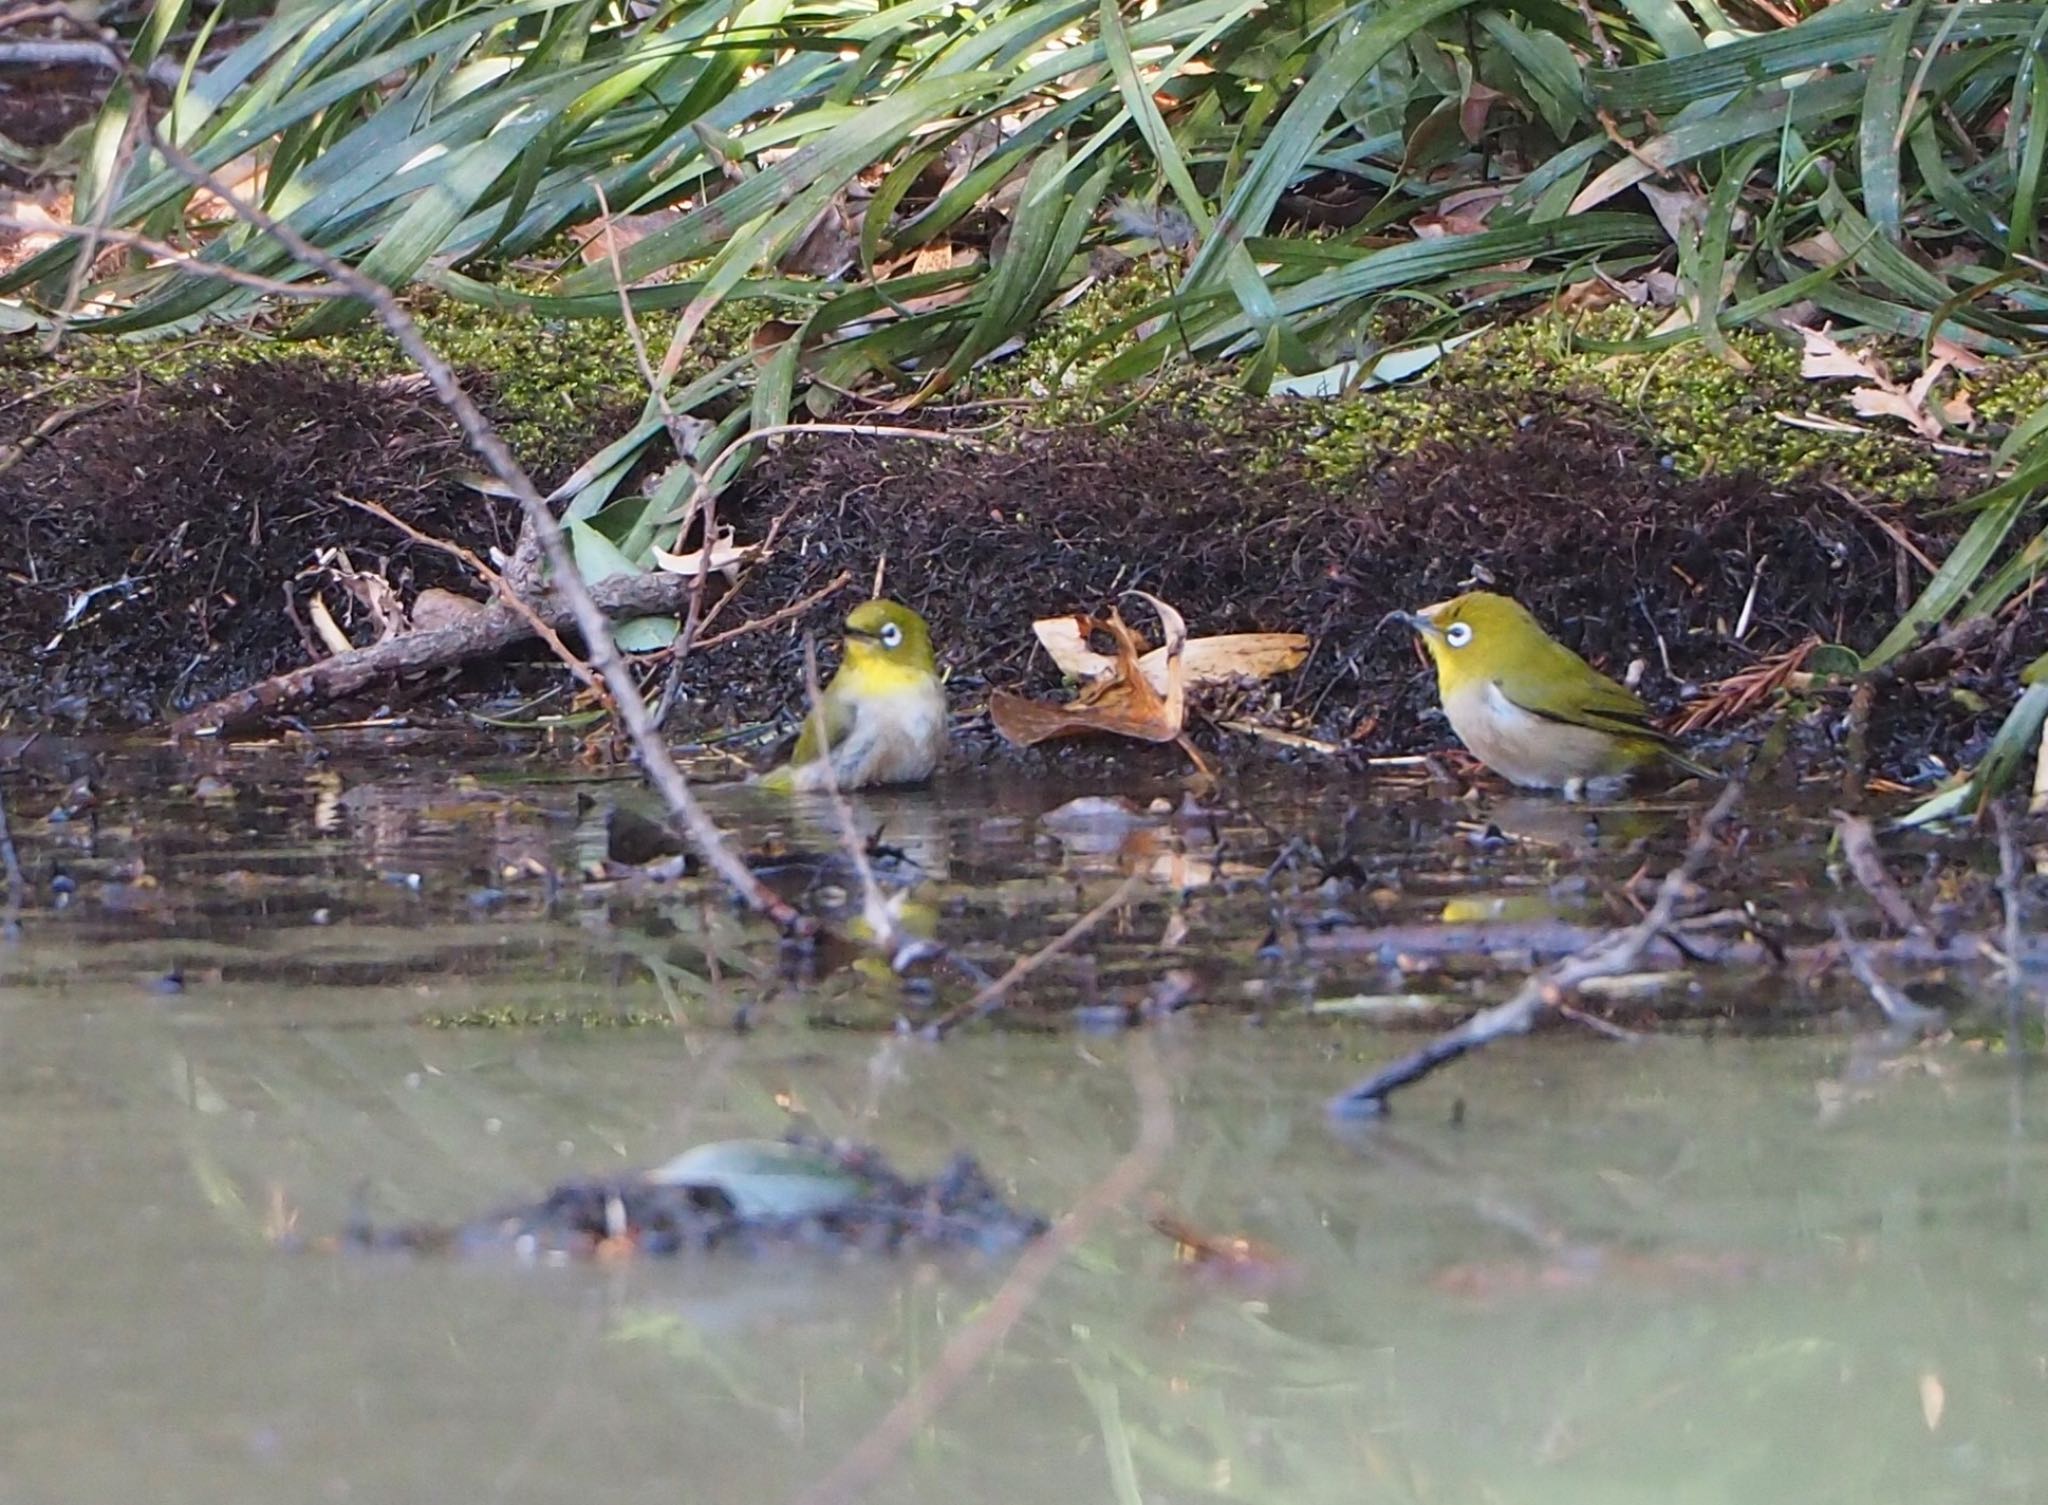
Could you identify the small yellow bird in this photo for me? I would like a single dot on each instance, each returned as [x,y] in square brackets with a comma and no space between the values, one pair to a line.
[882,719]
[1528,707]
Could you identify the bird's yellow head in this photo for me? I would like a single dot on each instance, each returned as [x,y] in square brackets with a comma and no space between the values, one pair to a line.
[886,640]
[1479,636]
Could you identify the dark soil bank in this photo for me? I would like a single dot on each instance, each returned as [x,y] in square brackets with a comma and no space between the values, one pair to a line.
[168,522]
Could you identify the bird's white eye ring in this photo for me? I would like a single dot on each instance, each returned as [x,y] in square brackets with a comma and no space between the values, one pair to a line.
[1458,634]
[891,635]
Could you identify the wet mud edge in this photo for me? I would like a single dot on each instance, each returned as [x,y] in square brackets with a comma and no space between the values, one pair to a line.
[161,534]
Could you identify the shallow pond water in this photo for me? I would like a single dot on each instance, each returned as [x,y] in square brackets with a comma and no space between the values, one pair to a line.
[1714,1265]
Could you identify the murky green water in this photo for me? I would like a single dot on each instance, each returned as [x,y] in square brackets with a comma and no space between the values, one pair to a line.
[1709,1266]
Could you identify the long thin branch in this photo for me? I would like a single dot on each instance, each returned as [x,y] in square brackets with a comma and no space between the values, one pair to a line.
[781,614]
[1614,953]
[591,623]
[965,1352]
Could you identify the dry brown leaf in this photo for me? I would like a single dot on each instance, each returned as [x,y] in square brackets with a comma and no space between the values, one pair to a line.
[832,244]
[1205,661]
[1435,226]
[627,231]
[1122,703]
[1473,109]
[1827,359]
[1679,210]
[1961,357]
[1820,248]
[435,608]
[769,337]
[1878,402]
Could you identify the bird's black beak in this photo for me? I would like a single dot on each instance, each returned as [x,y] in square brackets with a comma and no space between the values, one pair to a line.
[856,635]
[1409,619]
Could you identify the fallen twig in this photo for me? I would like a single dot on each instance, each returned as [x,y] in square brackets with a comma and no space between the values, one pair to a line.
[501,588]
[490,630]
[866,1462]
[53,54]
[1859,846]
[1618,951]
[14,454]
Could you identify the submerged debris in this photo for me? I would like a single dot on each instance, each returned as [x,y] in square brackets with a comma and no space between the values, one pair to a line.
[745,1197]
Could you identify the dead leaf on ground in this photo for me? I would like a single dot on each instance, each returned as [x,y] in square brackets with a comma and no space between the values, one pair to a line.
[1204,661]
[1827,359]
[435,608]
[1961,357]
[1820,248]
[1122,703]
[724,555]
[832,244]
[627,231]
[1473,109]
[1681,211]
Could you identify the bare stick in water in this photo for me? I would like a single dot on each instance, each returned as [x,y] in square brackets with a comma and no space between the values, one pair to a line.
[1614,953]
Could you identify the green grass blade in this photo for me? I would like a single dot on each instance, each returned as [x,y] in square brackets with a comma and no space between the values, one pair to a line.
[1883,128]
[1302,125]
[1971,556]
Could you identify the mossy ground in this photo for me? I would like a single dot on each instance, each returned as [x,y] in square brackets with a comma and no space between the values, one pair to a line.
[1634,499]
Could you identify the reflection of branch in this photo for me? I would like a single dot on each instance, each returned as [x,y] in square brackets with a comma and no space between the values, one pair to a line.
[589,617]
[2009,878]
[1901,1010]
[990,997]
[874,908]
[872,1456]
[1859,845]
[1616,952]
[17,881]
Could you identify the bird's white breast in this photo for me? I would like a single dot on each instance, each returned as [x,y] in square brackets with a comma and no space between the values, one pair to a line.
[896,737]
[1526,749]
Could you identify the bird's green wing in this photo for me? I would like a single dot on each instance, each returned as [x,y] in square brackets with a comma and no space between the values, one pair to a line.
[823,730]
[1572,691]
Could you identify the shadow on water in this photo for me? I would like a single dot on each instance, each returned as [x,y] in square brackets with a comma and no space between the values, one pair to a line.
[1759,1255]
